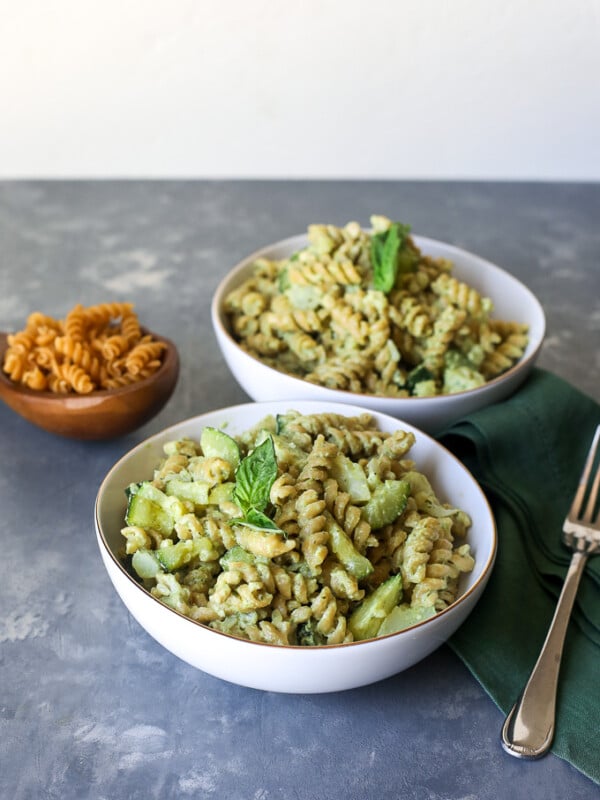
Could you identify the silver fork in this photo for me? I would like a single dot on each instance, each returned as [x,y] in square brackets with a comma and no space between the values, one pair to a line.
[529,727]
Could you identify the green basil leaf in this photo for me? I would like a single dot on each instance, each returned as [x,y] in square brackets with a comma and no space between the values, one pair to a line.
[258,521]
[377,245]
[254,477]
[385,250]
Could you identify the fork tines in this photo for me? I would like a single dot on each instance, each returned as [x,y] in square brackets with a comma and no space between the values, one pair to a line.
[583,518]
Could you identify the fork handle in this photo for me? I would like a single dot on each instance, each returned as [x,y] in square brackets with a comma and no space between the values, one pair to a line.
[529,727]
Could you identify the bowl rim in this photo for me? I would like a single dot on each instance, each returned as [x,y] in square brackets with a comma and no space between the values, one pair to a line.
[222,329]
[344,409]
[170,361]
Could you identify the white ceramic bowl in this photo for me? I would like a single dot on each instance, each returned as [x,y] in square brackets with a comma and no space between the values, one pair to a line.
[512,301]
[293,669]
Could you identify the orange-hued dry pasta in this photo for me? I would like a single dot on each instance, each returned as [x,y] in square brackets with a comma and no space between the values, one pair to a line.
[93,348]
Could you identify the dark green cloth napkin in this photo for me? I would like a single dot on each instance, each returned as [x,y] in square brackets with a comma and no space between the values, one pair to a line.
[527,454]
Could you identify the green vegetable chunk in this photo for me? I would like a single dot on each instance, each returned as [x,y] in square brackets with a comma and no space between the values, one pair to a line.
[221,493]
[344,549]
[195,491]
[148,507]
[145,564]
[217,444]
[237,554]
[365,621]
[404,616]
[387,502]
[145,513]
[175,556]
[351,478]
[283,280]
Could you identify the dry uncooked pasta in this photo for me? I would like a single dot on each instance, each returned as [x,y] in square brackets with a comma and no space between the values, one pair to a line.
[93,348]
[367,312]
[305,530]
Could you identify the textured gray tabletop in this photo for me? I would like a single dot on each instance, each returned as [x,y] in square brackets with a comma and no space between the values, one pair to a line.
[90,705]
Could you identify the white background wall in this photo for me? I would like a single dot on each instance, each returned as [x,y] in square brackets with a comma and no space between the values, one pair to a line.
[506,89]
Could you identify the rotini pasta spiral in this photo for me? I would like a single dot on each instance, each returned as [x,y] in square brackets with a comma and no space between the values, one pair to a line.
[417,548]
[459,294]
[98,347]
[513,340]
[35,379]
[71,376]
[313,532]
[75,323]
[330,622]
[341,373]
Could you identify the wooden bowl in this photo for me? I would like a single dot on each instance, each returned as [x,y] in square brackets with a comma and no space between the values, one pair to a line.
[104,414]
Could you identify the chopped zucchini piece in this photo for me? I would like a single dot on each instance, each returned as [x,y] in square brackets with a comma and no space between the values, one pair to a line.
[343,547]
[174,556]
[286,451]
[366,619]
[387,502]
[217,444]
[171,505]
[236,554]
[147,514]
[145,564]
[196,492]
[351,478]
[404,616]
[425,497]
[221,493]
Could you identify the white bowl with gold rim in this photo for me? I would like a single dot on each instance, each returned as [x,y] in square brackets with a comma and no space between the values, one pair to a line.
[293,669]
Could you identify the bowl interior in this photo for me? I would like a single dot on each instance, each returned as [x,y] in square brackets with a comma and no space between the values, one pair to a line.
[448,476]
[512,300]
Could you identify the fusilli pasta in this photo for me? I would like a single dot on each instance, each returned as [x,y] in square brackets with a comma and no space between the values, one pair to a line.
[318,315]
[343,512]
[94,348]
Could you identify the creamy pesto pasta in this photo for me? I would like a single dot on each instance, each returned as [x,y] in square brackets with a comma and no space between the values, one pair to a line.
[305,530]
[368,312]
